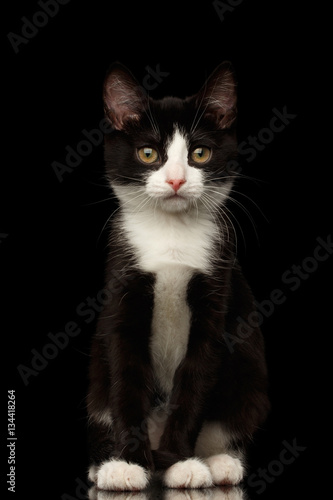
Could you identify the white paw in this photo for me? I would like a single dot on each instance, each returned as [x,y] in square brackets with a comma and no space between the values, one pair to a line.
[191,473]
[225,469]
[118,475]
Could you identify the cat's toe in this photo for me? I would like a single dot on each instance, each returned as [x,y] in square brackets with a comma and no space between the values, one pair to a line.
[225,469]
[118,475]
[191,473]
[92,473]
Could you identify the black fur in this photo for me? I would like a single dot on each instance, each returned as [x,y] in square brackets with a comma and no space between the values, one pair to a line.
[214,381]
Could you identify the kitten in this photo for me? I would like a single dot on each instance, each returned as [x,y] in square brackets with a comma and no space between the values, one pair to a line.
[167,392]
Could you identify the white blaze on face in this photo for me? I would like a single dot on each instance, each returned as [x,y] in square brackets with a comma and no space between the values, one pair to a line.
[173,226]
[176,166]
[176,184]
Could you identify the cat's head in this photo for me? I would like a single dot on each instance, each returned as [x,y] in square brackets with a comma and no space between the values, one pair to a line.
[170,154]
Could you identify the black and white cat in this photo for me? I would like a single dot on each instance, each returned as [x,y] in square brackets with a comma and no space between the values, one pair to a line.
[167,393]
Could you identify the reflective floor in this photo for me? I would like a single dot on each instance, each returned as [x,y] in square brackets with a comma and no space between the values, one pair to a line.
[155,493]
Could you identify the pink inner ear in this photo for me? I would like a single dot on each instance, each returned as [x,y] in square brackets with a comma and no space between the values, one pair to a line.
[222,92]
[123,98]
[218,97]
[227,119]
[120,117]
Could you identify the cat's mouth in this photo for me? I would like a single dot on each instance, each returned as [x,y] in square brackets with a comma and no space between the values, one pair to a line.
[175,196]
[175,202]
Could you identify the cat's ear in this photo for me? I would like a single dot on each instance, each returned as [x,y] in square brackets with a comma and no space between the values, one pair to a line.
[218,98]
[124,99]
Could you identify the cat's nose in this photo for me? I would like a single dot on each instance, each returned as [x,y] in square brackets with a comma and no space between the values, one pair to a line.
[176,183]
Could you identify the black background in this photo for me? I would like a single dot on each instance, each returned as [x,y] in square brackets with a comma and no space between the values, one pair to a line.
[53,237]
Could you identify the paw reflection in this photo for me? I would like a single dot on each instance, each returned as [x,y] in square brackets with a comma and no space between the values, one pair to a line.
[95,494]
[222,493]
[217,493]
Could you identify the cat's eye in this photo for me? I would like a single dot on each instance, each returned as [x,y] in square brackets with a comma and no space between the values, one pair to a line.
[148,155]
[201,154]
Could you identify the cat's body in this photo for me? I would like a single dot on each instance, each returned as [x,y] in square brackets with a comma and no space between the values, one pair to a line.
[168,391]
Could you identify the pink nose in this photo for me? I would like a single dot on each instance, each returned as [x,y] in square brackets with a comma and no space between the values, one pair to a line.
[176,183]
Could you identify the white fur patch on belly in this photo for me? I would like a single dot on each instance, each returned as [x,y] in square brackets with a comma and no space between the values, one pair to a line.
[170,323]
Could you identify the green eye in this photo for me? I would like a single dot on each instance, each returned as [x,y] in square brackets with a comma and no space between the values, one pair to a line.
[201,154]
[148,155]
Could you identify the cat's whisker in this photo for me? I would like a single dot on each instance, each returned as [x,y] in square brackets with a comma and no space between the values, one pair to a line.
[212,204]
[111,198]
[230,174]
[210,101]
[222,211]
[247,213]
[136,179]
[247,177]
[233,215]
[116,210]
[238,224]
[198,121]
[195,203]
[194,126]
[214,209]
[238,203]
[221,178]
[143,204]
[152,120]
[106,222]
[155,207]
[250,199]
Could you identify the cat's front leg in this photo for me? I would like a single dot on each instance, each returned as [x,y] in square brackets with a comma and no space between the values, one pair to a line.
[112,470]
[131,464]
[194,381]
[127,463]
[175,455]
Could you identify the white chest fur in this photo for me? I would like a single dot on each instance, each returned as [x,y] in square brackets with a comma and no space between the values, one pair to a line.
[161,239]
[173,247]
[170,323]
